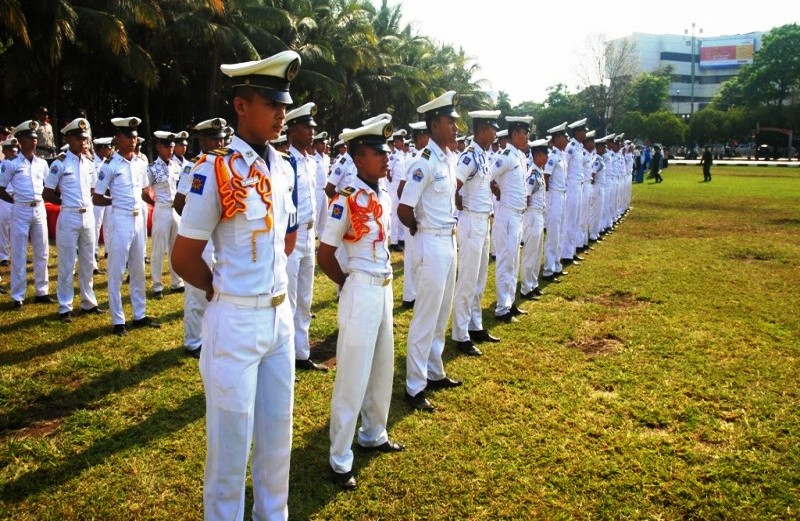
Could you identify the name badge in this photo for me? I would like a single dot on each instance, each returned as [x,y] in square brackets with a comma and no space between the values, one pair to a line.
[250,181]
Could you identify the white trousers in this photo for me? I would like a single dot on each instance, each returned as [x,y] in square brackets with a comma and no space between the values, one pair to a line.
[364,369]
[582,235]
[5,230]
[247,366]
[473,264]
[434,277]
[126,249]
[300,268]
[164,231]
[554,220]
[398,231]
[29,221]
[596,212]
[322,207]
[409,293]
[608,204]
[194,307]
[533,237]
[507,234]
[570,225]
[75,238]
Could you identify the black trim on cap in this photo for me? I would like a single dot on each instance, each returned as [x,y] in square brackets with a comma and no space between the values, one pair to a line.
[307,119]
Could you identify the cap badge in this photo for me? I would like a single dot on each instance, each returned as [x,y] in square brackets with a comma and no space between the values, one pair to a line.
[292,70]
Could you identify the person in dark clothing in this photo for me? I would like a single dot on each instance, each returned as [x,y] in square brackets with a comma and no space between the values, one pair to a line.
[655,165]
[707,160]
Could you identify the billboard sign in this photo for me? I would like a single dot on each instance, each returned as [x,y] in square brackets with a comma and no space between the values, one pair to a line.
[730,52]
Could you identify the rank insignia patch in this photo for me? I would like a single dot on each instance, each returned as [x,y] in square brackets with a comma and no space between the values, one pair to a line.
[198,183]
[337,211]
[466,160]
[417,175]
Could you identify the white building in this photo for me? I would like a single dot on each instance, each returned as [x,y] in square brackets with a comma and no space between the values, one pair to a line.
[715,60]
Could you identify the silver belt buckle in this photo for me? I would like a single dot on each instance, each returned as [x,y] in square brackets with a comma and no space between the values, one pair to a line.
[277,300]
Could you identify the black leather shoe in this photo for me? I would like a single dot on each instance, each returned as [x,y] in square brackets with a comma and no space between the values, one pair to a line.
[577,258]
[98,271]
[180,289]
[17,304]
[529,296]
[468,348]
[507,318]
[145,322]
[536,291]
[419,402]
[551,278]
[482,336]
[65,317]
[158,295]
[194,353]
[3,291]
[345,480]
[409,304]
[385,447]
[515,311]
[94,311]
[4,263]
[309,365]
[444,383]
[566,261]
[43,299]
[120,330]
[562,274]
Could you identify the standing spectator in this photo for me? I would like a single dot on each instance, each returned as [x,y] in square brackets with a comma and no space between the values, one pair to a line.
[46,146]
[655,168]
[707,160]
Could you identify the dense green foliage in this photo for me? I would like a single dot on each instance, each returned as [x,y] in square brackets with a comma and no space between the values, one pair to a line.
[160,59]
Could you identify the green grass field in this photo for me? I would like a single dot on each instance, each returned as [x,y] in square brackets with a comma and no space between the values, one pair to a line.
[658,381]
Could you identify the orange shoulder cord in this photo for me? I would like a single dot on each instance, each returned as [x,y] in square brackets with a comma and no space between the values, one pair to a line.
[359,216]
[233,188]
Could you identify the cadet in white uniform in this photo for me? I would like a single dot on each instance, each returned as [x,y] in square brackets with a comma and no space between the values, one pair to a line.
[533,223]
[574,159]
[359,222]
[475,202]
[163,176]
[421,136]
[508,177]
[555,176]
[397,173]
[323,167]
[24,176]
[587,187]
[10,149]
[427,207]
[119,184]
[598,190]
[211,134]
[300,267]
[243,200]
[70,184]
[102,150]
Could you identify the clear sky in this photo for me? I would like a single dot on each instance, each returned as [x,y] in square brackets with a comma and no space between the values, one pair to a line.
[525,46]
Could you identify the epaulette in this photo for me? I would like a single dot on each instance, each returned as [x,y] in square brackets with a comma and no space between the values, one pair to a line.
[506,151]
[108,159]
[220,151]
[343,160]
[61,156]
[283,155]
[426,153]
[347,191]
[470,149]
[196,159]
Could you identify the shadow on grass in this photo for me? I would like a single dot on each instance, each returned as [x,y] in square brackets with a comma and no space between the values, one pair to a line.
[156,426]
[63,402]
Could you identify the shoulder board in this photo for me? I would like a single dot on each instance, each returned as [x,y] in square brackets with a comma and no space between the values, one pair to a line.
[343,160]
[195,159]
[506,151]
[61,156]
[348,191]
[220,151]
[470,149]
[283,155]
[426,153]
[108,159]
